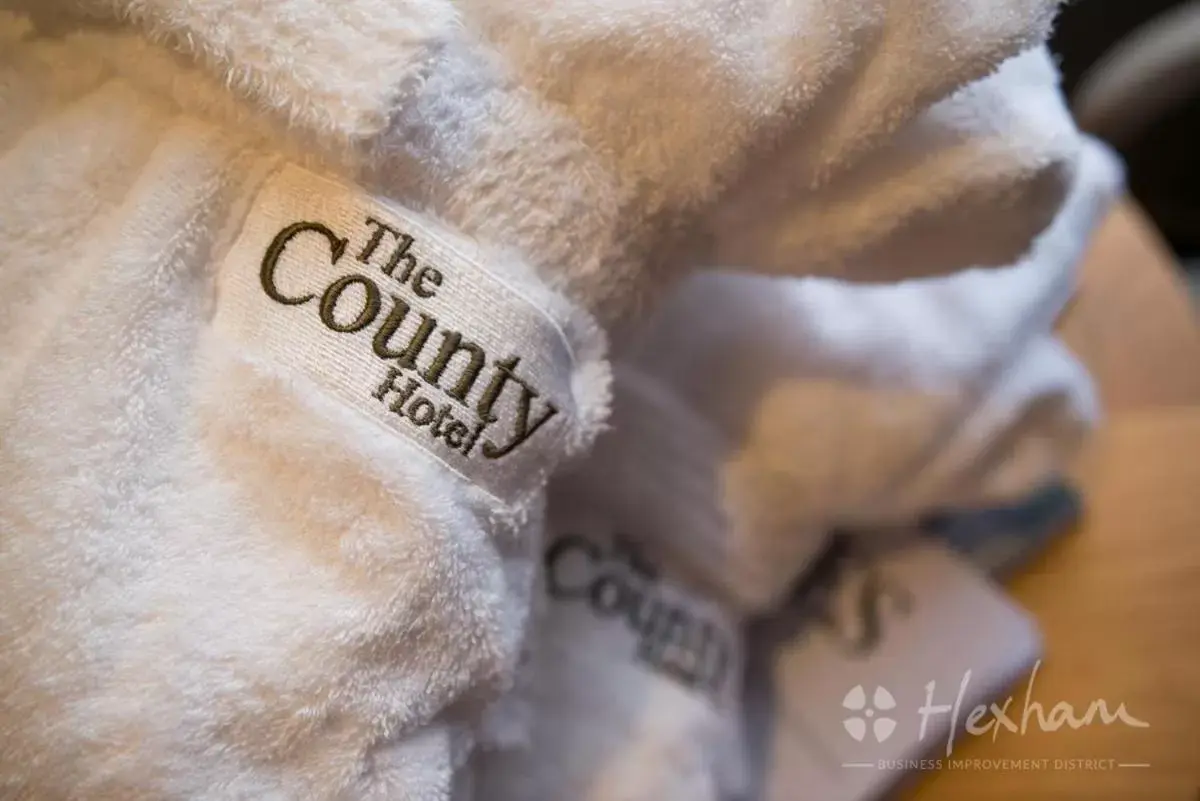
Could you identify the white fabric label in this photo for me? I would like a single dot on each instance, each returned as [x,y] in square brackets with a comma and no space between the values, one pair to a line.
[395,316]
[642,612]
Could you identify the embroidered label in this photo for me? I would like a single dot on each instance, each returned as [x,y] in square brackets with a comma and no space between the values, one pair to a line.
[381,308]
[674,633]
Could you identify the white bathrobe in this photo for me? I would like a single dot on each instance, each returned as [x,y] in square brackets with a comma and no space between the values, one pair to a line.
[239,559]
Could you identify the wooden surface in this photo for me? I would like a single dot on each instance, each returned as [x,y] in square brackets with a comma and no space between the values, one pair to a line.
[1132,321]
[1118,600]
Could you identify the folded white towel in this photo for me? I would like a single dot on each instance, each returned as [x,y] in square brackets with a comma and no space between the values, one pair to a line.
[751,416]
[827,403]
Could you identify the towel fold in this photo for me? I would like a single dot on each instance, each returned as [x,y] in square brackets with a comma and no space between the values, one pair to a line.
[980,173]
[818,403]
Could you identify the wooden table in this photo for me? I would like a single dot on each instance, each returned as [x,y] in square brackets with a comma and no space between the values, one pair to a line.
[1118,600]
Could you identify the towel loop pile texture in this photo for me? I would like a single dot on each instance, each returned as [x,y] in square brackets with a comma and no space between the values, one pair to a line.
[304,305]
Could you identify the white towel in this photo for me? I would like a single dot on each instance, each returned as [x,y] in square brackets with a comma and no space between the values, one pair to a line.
[828,403]
[230,571]
[222,578]
[635,680]
[753,415]
[980,174]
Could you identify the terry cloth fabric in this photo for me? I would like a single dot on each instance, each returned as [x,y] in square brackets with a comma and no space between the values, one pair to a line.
[257,542]
[690,99]
[635,680]
[980,174]
[821,403]
[229,569]
[738,441]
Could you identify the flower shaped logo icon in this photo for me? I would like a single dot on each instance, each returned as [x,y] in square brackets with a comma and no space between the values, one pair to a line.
[856,701]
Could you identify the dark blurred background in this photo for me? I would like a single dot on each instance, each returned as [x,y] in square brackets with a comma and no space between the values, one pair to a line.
[1131,69]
